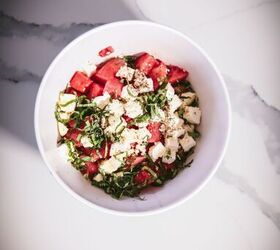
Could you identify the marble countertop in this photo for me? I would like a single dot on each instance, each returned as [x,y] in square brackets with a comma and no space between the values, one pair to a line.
[238,209]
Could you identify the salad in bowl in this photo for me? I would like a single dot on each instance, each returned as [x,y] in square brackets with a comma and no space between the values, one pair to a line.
[137,127]
[128,123]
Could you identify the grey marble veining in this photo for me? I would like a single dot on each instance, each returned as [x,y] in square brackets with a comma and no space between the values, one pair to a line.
[242,185]
[59,35]
[15,75]
[247,103]
[255,225]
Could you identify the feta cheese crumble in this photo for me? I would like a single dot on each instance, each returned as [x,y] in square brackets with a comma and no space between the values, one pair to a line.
[187,142]
[129,92]
[67,102]
[169,156]
[142,83]
[174,125]
[98,177]
[119,147]
[170,92]
[88,68]
[133,109]
[86,142]
[116,124]
[102,101]
[126,73]
[156,151]
[188,98]
[172,143]
[192,114]
[175,103]
[116,108]
[110,166]
[62,129]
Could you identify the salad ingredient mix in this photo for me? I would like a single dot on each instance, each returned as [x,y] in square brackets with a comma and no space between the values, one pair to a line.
[129,123]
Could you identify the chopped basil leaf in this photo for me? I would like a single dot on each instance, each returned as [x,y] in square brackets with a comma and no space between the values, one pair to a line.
[195,134]
[130,61]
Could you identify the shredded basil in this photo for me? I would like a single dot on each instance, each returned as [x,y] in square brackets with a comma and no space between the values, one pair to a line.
[74,156]
[68,103]
[87,118]
[195,134]
[130,61]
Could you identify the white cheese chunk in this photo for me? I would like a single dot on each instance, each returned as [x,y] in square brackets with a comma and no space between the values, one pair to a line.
[188,98]
[156,151]
[187,142]
[140,148]
[142,83]
[192,114]
[160,116]
[129,135]
[172,143]
[67,102]
[174,125]
[102,101]
[125,72]
[62,129]
[116,124]
[143,134]
[119,174]
[119,147]
[64,115]
[88,68]
[142,124]
[129,92]
[98,177]
[110,166]
[85,140]
[174,121]
[178,132]
[189,127]
[175,103]
[170,92]
[169,156]
[122,156]
[133,109]
[116,108]
[139,136]
[65,98]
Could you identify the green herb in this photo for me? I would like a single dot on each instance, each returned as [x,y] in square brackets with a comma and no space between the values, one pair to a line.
[74,156]
[57,114]
[68,103]
[141,118]
[86,158]
[130,93]
[130,61]
[181,112]
[96,134]
[155,100]
[195,102]
[150,171]
[119,186]
[182,86]
[195,134]
[88,119]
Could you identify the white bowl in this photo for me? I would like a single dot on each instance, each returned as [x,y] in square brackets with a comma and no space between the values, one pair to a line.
[130,37]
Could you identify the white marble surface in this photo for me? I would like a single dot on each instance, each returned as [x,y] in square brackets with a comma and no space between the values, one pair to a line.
[238,209]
